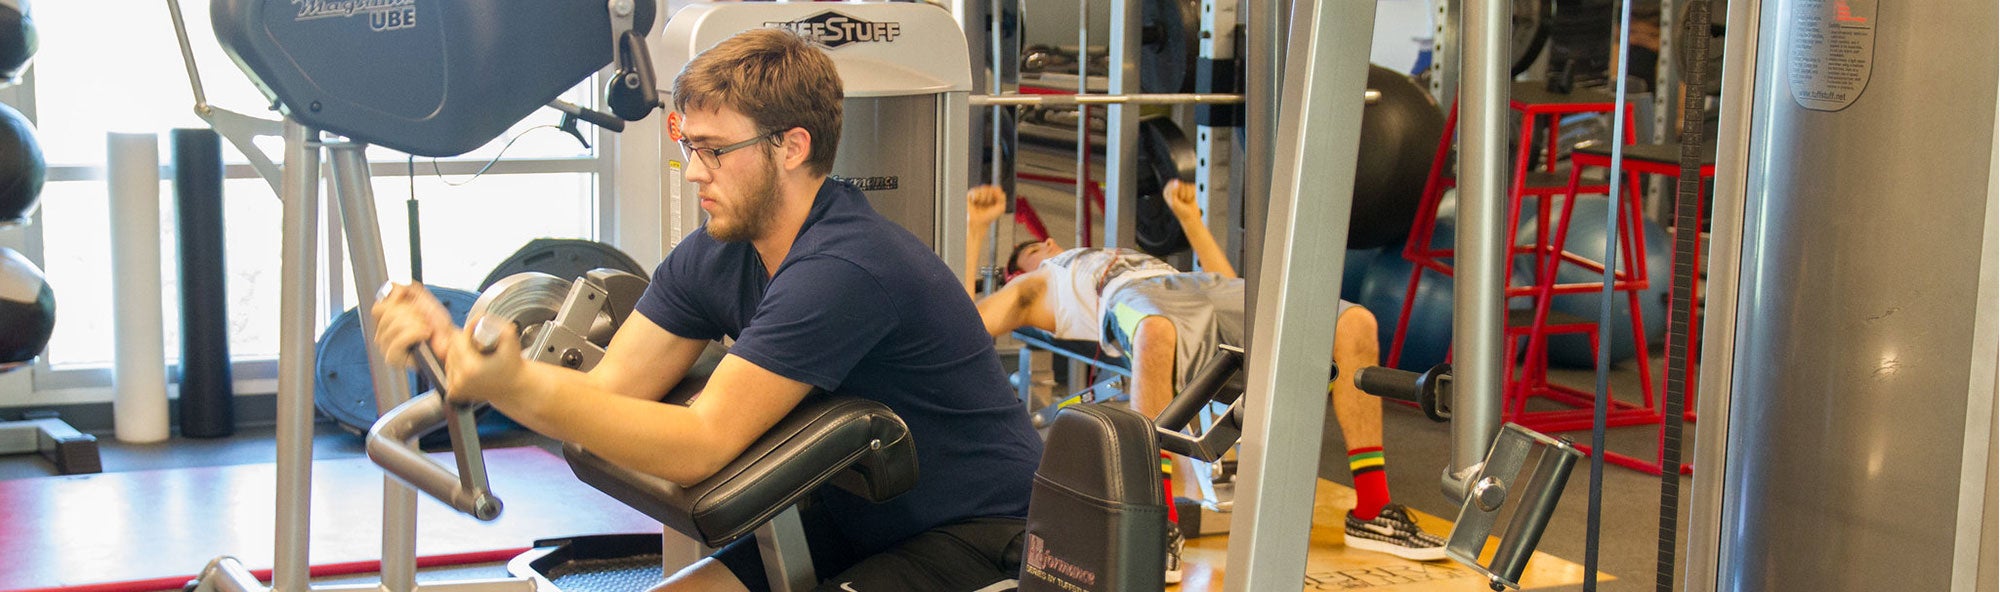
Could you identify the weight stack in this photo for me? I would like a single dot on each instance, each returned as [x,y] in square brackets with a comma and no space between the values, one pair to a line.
[207,398]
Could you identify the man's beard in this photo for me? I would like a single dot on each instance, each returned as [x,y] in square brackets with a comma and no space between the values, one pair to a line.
[754,213]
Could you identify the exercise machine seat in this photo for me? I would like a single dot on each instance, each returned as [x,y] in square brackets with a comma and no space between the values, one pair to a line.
[854,444]
[1097,520]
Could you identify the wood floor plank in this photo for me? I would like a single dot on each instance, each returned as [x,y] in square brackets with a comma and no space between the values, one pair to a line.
[1330,565]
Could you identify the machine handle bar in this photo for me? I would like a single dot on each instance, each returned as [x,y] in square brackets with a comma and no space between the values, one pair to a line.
[1423,389]
[392,441]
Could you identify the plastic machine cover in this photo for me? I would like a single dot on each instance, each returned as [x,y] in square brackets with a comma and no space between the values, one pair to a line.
[425,77]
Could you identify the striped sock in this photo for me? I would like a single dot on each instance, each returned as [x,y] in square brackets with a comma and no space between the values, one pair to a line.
[1371,485]
[1167,485]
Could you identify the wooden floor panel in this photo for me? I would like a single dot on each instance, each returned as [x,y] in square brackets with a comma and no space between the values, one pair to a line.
[1330,565]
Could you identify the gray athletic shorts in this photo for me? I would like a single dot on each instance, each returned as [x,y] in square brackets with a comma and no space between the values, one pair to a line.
[1206,310]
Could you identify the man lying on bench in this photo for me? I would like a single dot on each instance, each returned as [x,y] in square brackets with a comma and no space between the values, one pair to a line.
[1167,323]
[819,292]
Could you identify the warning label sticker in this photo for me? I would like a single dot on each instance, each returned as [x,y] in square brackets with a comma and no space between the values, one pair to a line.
[1832,51]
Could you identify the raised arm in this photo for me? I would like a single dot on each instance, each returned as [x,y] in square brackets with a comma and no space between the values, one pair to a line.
[985,204]
[1181,199]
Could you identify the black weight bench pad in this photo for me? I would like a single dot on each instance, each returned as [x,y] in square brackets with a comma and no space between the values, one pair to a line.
[855,444]
[1097,520]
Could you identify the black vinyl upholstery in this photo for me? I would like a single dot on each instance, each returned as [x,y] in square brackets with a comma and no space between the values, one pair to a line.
[855,444]
[1098,519]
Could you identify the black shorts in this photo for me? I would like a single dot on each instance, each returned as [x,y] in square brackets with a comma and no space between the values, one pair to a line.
[977,554]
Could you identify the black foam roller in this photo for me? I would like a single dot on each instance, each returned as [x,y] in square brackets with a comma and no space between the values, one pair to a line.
[207,401]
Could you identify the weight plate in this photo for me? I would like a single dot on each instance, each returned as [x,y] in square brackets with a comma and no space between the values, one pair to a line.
[1530,32]
[564,258]
[1165,154]
[342,386]
[528,298]
[1168,43]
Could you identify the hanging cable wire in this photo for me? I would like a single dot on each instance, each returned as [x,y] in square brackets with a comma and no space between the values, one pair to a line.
[1600,408]
[489,164]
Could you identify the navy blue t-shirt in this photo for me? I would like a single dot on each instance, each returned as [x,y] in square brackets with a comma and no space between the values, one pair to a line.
[860,307]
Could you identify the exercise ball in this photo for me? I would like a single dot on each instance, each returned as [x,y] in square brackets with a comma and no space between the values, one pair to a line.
[1354,271]
[18,40]
[1586,238]
[1428,337]
[27,310]
[21,168]
[1399,137]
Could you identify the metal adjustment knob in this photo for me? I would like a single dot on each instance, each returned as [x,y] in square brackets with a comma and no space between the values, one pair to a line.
[1489,493]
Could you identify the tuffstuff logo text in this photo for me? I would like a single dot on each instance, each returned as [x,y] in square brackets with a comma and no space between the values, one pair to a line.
[833,29]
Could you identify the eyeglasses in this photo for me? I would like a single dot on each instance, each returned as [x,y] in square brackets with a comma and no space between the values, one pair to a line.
[713,156]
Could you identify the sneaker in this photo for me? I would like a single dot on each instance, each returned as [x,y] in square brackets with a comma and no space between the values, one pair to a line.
[1393,532]
[1175,542]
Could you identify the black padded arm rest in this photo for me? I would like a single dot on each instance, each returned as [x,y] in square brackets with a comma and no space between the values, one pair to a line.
[855,444]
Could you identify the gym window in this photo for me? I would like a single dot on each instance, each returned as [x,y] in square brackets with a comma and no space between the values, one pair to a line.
[102,70]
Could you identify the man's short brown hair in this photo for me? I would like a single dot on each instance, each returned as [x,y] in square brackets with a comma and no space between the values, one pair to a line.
[775,77]
[1014,258]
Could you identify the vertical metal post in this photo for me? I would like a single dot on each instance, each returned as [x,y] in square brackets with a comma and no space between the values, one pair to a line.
[1318,133]
[298,328]
[1000,175]
[781,543]
[1480,284]
[1265,38]
[1218,42]
[1121,139]
[953,137]
[1786,245]
[1976,484]
[364,250]
[1665,85]
[1445,62]
[1082,238]
[1705,543]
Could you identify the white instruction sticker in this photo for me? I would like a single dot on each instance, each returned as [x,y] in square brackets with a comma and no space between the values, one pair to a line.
[675,227]
[1832,51]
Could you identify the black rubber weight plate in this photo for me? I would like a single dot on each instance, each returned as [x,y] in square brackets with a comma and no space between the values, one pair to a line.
[564,258]
[342,389]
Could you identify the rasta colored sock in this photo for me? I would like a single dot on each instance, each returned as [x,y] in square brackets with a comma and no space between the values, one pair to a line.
[1371,485]
[1167,485]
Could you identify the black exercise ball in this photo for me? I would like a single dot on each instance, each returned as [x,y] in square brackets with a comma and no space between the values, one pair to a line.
[27,310]
[21,168]
[18,40]
[1399,138]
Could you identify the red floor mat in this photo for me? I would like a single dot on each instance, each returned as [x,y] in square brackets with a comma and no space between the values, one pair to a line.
[135,530]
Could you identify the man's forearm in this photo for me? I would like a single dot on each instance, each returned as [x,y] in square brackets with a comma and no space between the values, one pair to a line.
[1205,248]
[648,436]
[975,241]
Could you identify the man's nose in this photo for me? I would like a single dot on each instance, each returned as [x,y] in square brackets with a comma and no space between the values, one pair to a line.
[697,171]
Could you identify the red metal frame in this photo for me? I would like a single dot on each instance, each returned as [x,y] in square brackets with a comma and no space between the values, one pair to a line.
[1548,254]
[1634,169]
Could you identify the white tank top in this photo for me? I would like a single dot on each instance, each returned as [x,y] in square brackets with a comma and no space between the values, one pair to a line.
[1078,278]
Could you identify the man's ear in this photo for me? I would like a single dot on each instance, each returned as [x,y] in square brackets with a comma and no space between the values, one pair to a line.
[797,148]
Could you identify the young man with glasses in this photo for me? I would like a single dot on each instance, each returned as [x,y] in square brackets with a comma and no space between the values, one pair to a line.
[819,292]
